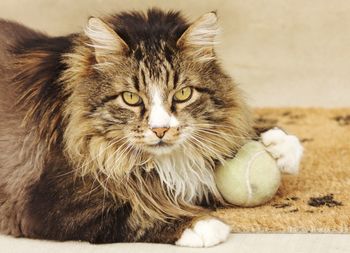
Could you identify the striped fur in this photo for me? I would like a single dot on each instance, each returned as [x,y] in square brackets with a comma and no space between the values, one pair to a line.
[92,170]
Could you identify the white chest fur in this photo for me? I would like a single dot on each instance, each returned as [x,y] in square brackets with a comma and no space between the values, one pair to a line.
[186,175]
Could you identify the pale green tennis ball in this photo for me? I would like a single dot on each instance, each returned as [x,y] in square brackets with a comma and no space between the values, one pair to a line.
[251,178]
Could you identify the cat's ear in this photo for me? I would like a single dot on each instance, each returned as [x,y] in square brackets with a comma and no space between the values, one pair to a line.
[105,40]
[200,37]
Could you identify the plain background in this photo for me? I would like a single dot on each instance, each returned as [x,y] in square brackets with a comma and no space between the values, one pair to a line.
[282,53]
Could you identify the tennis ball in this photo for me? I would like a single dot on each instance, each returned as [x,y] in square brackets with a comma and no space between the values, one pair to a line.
[251,178]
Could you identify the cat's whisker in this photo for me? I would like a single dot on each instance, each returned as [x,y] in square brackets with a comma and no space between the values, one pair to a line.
[213,126]
[92,189]
[206,139]
[222,135]
[214,149]
[219,142]
[91,159]
[121,147]
[206,147]
[67,173]
[120,154]
[204,136]
[95,159]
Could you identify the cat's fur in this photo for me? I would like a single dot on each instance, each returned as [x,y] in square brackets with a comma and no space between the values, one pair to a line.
[75,162]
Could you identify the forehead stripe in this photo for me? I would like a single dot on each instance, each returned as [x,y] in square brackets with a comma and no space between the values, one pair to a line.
[204,90]
[136,84]
[167,74]
[143,77]
[176,79]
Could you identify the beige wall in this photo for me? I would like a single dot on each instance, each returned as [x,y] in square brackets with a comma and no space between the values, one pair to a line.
[281,52]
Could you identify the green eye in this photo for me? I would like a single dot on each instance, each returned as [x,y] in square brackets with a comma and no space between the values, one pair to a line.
[131,98]
[183,95]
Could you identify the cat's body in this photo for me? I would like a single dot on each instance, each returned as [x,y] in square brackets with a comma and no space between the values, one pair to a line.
[66,171]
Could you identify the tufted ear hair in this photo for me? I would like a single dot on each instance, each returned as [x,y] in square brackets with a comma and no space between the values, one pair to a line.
[200,37]
[104,40]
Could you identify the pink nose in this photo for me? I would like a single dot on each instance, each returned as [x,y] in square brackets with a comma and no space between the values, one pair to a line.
[160,131]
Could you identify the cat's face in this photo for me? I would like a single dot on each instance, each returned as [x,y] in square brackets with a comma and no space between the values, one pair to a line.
[145,95]
[159,117]
[157,107]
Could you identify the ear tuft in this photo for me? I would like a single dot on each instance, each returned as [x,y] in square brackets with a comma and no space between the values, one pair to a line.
[104,39]
[200,37]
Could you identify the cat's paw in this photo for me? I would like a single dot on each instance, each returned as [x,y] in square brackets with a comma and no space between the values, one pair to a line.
[204,233]
[285,148]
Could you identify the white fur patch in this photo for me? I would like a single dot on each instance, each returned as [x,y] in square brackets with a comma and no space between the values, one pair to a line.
[205,233]
[187,175]
[159,117]
[173,121]
[286,149]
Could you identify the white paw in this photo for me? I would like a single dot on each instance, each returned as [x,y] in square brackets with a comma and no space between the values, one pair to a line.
[205,233]
[286,149]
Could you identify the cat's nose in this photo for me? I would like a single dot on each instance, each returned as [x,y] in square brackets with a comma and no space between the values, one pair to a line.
[160,131]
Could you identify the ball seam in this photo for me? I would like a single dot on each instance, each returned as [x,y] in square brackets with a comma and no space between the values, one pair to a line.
[247,175]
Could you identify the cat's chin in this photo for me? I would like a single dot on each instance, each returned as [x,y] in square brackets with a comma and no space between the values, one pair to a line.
[161,149]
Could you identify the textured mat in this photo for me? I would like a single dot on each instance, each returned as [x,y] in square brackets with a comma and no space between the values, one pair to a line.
[318,199]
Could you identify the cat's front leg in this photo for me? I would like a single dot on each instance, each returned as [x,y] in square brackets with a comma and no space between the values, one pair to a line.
[204,232]
[285,148]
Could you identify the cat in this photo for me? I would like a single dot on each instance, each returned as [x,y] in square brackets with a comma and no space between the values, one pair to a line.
[113,134]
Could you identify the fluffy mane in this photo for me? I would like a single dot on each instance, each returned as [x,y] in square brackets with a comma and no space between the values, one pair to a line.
[56,81]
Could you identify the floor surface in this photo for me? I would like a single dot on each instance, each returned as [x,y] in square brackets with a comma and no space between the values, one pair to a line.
[237,243]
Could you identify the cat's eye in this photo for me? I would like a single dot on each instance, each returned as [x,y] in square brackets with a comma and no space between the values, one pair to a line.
[131,98]
[183,95]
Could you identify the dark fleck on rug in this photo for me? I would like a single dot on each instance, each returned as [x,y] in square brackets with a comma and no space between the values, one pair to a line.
[318,199]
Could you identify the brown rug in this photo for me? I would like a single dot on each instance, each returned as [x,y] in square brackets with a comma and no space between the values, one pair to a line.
[318,199]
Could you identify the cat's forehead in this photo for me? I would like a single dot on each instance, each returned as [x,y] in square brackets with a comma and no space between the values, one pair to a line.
[156,57]
[156,72]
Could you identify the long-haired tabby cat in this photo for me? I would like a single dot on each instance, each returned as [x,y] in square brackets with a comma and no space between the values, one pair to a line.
[113,134]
